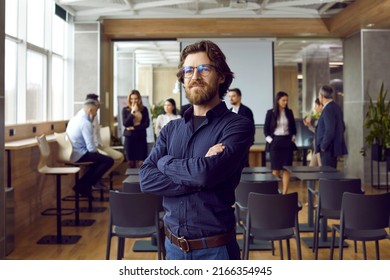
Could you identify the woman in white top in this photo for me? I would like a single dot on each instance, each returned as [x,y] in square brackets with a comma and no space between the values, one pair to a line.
[170,114]
[280,130]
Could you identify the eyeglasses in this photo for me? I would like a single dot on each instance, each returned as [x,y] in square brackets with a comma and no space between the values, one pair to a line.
[203,69]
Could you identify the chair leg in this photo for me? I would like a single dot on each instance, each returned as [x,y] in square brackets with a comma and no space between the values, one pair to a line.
[121,248]
[108,248]
[364,250]
[288,249]
[59,224]
[246,245]
[332,244]
[281,249]
[273,248]
[297,238]
[377,249]
[341,240]
[316,232]
[355,246]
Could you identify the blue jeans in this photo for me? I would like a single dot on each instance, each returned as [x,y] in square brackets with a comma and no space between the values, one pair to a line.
[230,251]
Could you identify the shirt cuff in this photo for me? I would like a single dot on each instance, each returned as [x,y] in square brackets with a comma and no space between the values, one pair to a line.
[268,139]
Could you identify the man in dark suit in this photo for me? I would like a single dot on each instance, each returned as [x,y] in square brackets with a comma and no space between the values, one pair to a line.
[240,109]
[330,129]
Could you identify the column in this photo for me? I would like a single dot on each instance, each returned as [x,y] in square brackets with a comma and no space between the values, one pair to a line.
[366,66]
[315,71]
[2,183]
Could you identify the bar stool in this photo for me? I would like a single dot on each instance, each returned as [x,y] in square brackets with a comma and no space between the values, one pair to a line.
[58,211]
[64,153]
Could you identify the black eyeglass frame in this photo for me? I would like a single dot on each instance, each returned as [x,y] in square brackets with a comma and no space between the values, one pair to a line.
[200,68]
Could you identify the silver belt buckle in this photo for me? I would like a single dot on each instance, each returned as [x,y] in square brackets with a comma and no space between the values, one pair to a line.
[182,241]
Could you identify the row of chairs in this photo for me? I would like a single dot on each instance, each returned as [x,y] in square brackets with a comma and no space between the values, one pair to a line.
[46,167]
[261,211]
[266,215]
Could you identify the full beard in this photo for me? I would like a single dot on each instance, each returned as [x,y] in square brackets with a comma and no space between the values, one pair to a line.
[202,95]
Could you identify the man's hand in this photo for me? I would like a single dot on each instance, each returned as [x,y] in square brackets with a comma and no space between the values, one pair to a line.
[215,150]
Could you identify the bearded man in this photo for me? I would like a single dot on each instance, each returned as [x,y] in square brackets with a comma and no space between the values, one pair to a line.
[197,161]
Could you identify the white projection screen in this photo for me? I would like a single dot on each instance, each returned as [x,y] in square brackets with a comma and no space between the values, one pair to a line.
[251,60]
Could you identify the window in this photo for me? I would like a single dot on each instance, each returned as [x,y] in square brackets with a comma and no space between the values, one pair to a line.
[57,89]
[11,53]
[58,35]
[36,61]
[11,19]
[36,22]
[36,86]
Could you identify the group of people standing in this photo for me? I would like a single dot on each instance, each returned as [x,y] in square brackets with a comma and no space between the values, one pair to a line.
[135,118]
[328,129]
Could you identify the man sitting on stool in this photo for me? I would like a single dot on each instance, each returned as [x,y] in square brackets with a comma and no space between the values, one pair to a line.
[80,132]
[104,150]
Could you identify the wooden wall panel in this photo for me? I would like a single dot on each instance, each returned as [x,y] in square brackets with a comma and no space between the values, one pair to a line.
[213,27]
[357,15]
[23,131]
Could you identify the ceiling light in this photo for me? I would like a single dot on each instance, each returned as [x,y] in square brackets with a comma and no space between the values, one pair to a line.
[370,25]
[336,63]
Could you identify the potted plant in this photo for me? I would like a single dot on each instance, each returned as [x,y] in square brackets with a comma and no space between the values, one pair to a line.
[377,122]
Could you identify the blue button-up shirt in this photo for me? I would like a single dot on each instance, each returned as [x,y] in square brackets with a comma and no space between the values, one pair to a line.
[198,191]
[80,132]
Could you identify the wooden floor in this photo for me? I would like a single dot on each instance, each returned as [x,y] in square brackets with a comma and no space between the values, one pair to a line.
[92,245]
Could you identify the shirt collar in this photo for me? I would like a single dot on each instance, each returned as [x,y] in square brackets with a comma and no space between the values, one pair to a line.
[216,111]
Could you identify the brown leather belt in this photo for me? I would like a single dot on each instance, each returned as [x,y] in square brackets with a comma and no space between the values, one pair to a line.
[187,245]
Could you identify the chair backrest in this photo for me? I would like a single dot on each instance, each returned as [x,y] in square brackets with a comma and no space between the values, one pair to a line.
[64,147]
[44,149]
[330,192]
[132,187]
[244,188]
[133,209]
[270,211]
[365,212]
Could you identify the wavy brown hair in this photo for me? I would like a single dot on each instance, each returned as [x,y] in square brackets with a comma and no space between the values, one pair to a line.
[217,58]
[138,94]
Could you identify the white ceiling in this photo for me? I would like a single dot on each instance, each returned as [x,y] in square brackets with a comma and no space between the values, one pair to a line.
[287,51]
[98,9]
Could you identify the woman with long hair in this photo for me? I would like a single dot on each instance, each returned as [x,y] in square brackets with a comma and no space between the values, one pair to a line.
[170,113]
[135,118]
[280,130]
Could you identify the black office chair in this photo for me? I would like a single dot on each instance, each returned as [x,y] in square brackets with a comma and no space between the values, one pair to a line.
[134,215]
[131,184]
[330,194]
[242,192]
[363,218]
[273,217]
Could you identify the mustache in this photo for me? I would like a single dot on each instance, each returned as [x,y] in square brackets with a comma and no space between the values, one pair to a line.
[196,83]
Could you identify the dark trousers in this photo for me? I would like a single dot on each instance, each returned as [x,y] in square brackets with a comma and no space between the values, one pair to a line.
[95,171]
[327,159]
